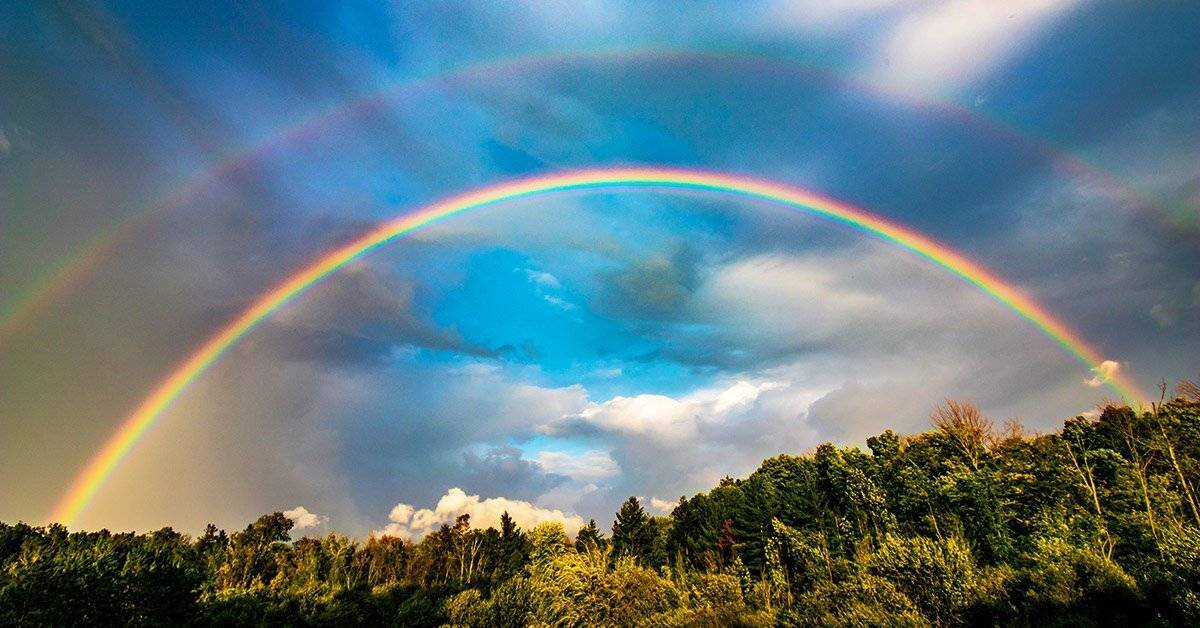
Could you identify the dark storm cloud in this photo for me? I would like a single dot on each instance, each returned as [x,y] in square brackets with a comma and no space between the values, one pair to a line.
[357,317]
[502,471]
[654,287]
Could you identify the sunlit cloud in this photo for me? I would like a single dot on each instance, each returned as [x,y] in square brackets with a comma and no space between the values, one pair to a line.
[662,506]
[302,519]
[408,522]
[1105,372]
[940,46]
[588,466]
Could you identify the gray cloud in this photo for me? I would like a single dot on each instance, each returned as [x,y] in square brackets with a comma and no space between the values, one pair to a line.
[356,317]
[502,471]
[656,286]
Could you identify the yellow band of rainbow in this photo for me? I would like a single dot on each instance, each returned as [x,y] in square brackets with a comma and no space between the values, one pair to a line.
[100,467]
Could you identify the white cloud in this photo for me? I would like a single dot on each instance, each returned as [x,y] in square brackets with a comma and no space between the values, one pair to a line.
[1105,372]
[741,394]
[558,302]
[663,506]
[797,297]
[408,522]
[401,514]
[542,278]
[586,467]
[546,281]
[667,419]
[943,45]
[658,416]
[303,519]
[610,372]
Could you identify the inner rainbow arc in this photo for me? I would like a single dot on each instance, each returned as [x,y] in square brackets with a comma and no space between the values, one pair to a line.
[88,482]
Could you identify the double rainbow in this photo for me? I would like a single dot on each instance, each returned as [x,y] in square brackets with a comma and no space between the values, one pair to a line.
[93,476]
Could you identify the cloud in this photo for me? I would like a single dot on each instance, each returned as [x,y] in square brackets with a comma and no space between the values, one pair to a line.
[857,410]
[1105,372]
[408,522]
[357,316]
[543,278]
[5,143]
[608,372]
[303,519]
[663,506]
[558,302]
[655,286]
[503,469]
[741,394]
[589,466]
[943,45]
[401,514]
[1163,314]
[546,281]
[656,416]
[668,419]
[768,308]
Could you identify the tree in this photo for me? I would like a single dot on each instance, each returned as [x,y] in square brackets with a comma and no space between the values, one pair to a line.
[590,538]
[250,559]
[547,541]
[633,532]
[514,547]
[939,577]
[967,427]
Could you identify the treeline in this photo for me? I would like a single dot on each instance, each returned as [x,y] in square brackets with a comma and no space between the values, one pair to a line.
[967,524]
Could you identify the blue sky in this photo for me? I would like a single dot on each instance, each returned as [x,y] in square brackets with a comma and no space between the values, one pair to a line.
[557,354]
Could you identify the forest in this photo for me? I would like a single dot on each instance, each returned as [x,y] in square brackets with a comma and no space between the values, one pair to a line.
[969,523]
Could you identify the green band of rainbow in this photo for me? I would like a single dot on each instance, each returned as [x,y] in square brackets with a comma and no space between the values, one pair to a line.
[89,481]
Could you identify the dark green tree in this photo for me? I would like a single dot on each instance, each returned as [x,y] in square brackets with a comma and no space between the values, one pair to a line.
[590,538]
[634,532]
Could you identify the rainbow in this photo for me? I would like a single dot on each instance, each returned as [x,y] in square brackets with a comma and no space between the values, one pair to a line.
[89,481]
[55,284]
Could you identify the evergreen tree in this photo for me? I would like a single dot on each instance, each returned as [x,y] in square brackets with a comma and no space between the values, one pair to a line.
[514,547]
[633,532]
[590,538]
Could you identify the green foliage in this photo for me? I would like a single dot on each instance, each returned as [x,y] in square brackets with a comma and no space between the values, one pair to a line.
[938,576]
[590,590]
[1095,525]
[1060,584]
[590,538]
[862,600]
[1177,579]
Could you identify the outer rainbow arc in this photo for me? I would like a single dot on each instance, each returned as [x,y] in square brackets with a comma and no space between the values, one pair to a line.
[65,275]
[89,481]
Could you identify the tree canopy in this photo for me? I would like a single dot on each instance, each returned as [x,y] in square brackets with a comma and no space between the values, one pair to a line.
[1096,524]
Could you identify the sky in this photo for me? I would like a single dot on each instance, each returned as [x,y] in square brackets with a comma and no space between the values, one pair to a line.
[553,355]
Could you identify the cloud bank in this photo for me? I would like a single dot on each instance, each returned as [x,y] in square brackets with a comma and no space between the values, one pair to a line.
[408,522]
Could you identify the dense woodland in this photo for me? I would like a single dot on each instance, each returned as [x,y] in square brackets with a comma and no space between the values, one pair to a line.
[967,524]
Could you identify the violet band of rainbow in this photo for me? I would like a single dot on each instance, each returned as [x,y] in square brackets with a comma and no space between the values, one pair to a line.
[88,482]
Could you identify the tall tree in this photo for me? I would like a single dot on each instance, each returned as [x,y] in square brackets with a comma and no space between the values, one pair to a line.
[590,538]
[514,547]
[633,532]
